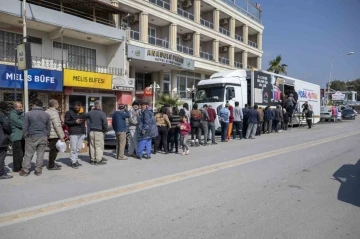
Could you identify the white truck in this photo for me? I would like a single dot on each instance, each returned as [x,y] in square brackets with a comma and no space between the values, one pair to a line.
[254,87]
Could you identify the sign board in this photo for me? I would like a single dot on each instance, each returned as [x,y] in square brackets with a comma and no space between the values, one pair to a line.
[38,79]
[160,56]
[123,83]
[338,96]
[23,54]
[87,79]
[148,91]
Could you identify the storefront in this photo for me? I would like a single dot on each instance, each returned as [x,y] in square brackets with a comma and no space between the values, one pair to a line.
[43,84]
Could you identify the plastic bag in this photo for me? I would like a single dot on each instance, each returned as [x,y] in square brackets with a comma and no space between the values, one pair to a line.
[61,146]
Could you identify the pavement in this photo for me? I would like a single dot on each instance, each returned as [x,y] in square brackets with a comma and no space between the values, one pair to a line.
[303,183]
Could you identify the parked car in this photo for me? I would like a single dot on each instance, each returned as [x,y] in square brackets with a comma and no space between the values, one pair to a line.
[348,114]
[325,113]
[110,137]
[356,113]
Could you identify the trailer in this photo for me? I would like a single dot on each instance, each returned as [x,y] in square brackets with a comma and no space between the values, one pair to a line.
[253,87]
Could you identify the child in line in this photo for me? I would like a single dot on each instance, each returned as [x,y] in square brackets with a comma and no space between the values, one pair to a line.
[184,131]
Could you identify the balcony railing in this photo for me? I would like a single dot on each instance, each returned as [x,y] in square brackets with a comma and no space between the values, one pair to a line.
[224,31]
[206,56]
[135,35]
[253,44]
[251,10]
[238,64]
[224,60]
[207,23]
[239,38]
[158,42]
[185,49]
[249,67]
[185,14]
[161,3]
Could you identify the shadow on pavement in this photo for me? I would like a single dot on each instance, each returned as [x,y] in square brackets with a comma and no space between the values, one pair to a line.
[348,176]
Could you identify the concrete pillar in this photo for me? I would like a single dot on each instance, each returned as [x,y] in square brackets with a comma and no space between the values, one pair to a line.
[246,33]
[216,50]
[174,82]
[232,27]
[173,36]
[144,24]
[132,72]
[259,62]
[196,44]
[128,34]
[197,11]
[115,3]
[155,77]
[161,80]
[202,77]
[216,19]
[231,55]
[173,6]
[259,41]
[244,59]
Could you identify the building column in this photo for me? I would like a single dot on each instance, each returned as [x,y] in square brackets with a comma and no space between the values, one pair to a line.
[259,41]
[231,55]
[232,27]
[173,6]
[216,19]
[132,72]
[259,62]
[144,24]
[155,77]
[174,82]
[196,44]
[244,59]
[197,11]
[246,34]
[173,36]
[115,3]
[161,80]
[202,77]
[216,50]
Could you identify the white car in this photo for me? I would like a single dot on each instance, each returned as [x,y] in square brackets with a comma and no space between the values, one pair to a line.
[356,113]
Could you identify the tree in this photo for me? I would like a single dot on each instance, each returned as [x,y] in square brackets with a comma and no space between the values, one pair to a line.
[167,99]
[276,66]
[338,85]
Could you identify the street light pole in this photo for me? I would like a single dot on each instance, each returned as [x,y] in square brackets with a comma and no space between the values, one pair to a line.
[26,85]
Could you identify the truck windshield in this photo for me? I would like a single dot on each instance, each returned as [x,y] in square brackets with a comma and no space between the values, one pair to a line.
[215,94]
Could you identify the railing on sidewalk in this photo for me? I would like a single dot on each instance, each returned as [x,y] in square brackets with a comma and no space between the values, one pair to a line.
[224,60]
[185,14]
[185,49]
[224,31]
[158,42]
[206,56]
[238,64]
[253,44]
[161,3]
[239,38]
[206,23]
[135,35]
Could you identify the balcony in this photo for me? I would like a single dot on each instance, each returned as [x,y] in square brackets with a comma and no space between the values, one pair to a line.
[185,14]
[135,35]
[249,67]
[161,3]
[224,31]
[238,64]
[207,24]
[206,56]
[254,15]
[253,44]
[158,42]
[239,38]
[224,61]
[185,49]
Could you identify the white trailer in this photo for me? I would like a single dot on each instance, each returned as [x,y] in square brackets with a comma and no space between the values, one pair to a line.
[256,88]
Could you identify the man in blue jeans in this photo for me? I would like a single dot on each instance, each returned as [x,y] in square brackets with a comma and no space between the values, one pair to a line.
[224,116]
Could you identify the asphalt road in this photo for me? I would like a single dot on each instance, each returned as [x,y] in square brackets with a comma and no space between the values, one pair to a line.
[296,184]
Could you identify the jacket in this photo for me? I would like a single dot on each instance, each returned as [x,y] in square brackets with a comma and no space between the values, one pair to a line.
[56,130]
[224,115]
[147,126]
[245,114]
[175,120]
[238,114]
[185,128]
[134,119]
[278,114]
[261,115]
[16,121]
[231,118]
[286,117]
[195,118]
[70,120]
[185,112]
[253,116]
[212,115]
[267,114]
[36,123]
[97,120]
[162,120]
[5,130]
[119,121]
[204,115]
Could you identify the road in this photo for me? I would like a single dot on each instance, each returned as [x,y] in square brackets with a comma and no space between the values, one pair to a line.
[296,184]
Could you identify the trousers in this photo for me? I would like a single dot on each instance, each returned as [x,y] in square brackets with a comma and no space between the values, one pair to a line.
[268,126]
[224,128]
[238,129]
[205,130]
[18,154]
[53,151]
[133,142]
[212,130]
[251,130]
[96,145]
[3,151]
[183,140]
[34,144]
[163,134]
[120,144]
[173,139]
[229,131]
[144,144]
[76,142]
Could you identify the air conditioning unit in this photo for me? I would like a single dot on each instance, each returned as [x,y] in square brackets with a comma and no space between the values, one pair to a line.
[224,21]
[135,18]
[187,37]
[187,3]
[224,49]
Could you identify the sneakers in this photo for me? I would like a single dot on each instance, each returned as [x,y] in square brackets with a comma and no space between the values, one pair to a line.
[56,167]
[5,176]
[92,162]
[213,143]
[101,162]
[121,158]
[74,166]
[187,152]
[37,173]
[148,157]
[23,173]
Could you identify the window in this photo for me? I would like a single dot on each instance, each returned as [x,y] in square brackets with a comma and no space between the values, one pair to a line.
[139,81]
[213,94]
[186,82]
[152,32]
[177,40]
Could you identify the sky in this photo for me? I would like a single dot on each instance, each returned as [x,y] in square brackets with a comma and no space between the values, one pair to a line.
[308,33]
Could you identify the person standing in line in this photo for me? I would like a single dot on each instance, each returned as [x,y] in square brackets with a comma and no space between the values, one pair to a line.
[119,125]
[75,120]
[195,115]
[98,126]
[309,115]
[16,118]
[238,121]
[224,116]
[204,123]
[212,117]
[278,118]
[185,111]
[267,120]
[261,122]
[163,125]
[36,129]
[254,120]
[56,133]
[230,126]
[5,131]
[133,128]
[185,128]
[147,131]
[286,119]
[173,136]
[245,111]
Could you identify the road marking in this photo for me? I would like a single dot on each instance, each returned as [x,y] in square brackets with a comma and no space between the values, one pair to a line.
[71,203]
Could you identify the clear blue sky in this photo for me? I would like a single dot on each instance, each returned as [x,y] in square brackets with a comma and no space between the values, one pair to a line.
[307,33]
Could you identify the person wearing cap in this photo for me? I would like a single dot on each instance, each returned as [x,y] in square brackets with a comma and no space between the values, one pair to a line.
[119,125]
[5,131]
[224,117]
[133,128]
[204,123]
[147,130]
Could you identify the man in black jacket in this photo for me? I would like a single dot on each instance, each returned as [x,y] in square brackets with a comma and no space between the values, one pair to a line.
[5,131]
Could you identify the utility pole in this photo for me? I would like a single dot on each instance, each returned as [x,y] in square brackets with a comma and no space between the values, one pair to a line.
[26,85]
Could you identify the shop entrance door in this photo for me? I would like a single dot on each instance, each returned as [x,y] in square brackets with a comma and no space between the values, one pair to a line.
[91,102]
[108,104]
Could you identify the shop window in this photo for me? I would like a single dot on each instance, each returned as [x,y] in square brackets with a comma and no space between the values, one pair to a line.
[74,98]
[11,97]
